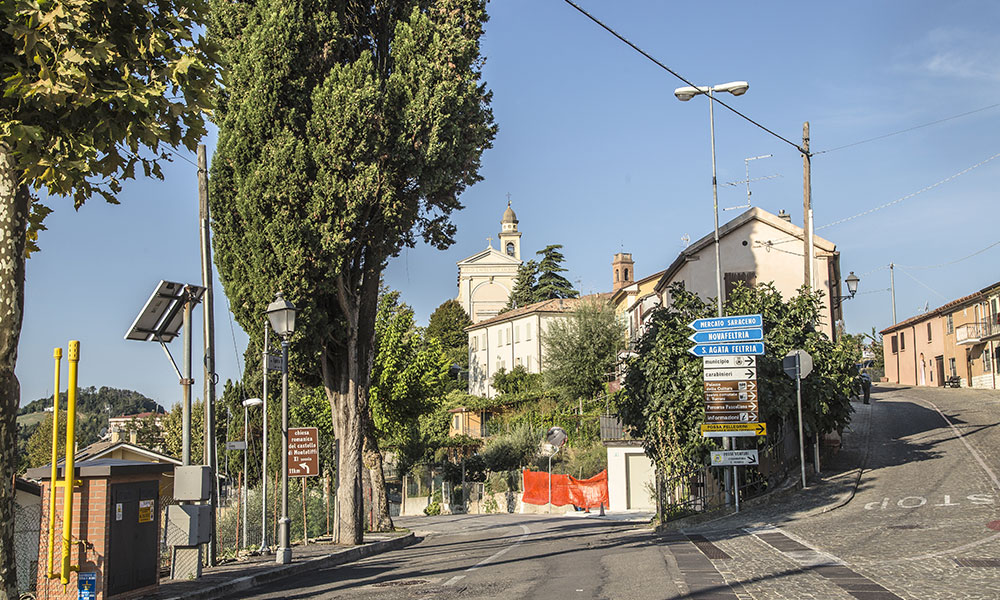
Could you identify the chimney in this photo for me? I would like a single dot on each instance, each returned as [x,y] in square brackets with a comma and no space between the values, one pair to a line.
[133,437]
[783,215]
[622,271]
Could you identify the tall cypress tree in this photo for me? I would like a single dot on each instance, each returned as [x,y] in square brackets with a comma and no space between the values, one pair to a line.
[524,286]
[347,130]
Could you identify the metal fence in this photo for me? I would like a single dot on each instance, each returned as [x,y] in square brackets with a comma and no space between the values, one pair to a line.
[703,489]
[27,529]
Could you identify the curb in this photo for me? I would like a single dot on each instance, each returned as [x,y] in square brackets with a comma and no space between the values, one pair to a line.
[271,575]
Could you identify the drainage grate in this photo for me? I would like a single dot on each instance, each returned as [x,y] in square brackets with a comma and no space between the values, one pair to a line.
[401,582]
[707,548]
[978,562]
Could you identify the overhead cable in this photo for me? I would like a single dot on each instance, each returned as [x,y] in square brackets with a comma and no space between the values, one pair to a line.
[907,130]
[681,77]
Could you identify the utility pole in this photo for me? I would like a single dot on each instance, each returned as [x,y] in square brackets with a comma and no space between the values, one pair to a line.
[892,289]
[807,207]
[209,337]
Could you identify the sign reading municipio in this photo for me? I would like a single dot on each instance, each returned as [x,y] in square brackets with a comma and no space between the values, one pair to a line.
[303,451]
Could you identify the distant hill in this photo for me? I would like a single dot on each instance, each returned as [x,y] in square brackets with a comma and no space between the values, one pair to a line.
[93,406]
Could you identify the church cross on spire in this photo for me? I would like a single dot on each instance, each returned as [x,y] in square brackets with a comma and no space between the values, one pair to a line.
[508,199]
[489,241]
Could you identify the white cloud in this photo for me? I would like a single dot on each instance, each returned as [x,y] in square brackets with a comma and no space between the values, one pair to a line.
[955,54]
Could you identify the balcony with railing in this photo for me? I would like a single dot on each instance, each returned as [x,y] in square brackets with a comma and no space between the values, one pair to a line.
[970,333]
[612,430]
[992,328]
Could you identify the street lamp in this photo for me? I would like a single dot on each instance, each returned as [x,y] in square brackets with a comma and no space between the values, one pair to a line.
[852,289]
[736,88]
[246,452]
[555,437]
[281,314]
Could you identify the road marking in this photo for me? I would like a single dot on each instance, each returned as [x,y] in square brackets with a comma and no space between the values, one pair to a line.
[491,557]
[968,446]
[918,501]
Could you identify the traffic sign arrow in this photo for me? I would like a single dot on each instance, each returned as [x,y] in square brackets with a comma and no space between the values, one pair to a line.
[727,336]
[730,322]
[731,386]
[729,374]
[727,349]
[728,362]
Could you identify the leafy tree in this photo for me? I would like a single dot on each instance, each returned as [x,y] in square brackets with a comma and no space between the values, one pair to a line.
[447,324]
[173,431]
[663,397]
[581,351]
[550,283]
[406,377]
[40,442]
[517,381]
[525,283]
[148,433]
[347,130]
[90,91]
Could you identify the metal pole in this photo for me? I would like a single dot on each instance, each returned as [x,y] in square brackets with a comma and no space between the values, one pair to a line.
[892,289]
[812,254]
[246,461]
[284,554]
[806,203]
[736,488]
[726,442]
[208,320]
[263,459]
[186,385]
[798,399]
[69,471]
[550,484]
[715,203]
[54,473]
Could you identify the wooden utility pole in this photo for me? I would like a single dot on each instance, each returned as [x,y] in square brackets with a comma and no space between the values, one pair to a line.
[209,336]
[807,207]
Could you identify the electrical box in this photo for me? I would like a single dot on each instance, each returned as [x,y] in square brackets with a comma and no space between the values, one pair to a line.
[193,483]
[189,524]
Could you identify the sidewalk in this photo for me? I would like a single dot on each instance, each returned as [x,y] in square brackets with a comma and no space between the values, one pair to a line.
[234,577]
[832,488]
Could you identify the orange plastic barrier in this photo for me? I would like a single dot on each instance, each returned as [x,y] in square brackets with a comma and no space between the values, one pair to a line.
[566,489]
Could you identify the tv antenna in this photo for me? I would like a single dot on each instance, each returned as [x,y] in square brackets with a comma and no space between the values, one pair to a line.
[746,162]
[686,239]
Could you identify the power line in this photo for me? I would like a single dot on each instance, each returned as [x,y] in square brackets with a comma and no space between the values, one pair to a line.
[908,274]
[681,77]
[908,196]
[907,130]
[956,261]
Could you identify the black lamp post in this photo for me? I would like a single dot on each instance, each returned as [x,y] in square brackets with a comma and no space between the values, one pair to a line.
[852,289]
[281,314]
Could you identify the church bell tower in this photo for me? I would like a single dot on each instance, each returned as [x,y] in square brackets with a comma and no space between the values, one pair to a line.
[510,237]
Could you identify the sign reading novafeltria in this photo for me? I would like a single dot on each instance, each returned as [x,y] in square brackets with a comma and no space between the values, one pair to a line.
[303,451]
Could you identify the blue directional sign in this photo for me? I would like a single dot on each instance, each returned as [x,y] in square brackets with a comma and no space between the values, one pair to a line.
[727,335]
[730,322]
[726,349]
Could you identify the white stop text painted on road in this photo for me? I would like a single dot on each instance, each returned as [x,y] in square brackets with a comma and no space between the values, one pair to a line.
[908,502]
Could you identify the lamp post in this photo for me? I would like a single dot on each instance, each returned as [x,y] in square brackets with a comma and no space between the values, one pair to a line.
[246,452]
[281,314]
[852,289]
[555,437]
[736,88]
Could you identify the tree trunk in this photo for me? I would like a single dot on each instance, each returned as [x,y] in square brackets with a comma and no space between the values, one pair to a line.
[14,205]
[373,462]
[346,376]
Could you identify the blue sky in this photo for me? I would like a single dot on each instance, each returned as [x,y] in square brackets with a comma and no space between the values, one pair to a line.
[599,156]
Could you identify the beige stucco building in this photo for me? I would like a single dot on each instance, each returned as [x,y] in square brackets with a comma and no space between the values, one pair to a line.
[758,247]
[486,279]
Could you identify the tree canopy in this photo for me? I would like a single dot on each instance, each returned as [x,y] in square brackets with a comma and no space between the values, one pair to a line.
[663,397]
[523,293]
[550,283]
[91,90]
[447,324]
[347,131]
[581,351]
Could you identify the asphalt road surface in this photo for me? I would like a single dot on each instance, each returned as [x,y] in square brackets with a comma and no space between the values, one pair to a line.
[923,524]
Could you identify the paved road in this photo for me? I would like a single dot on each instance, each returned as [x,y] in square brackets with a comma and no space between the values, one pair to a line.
[924,524]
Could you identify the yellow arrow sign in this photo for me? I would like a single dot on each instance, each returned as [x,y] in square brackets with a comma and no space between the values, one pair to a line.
[750,428]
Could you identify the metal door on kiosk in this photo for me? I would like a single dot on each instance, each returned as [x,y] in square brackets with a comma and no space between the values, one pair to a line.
[133,551]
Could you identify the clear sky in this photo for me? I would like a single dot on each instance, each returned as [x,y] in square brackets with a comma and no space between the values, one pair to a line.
[598,155]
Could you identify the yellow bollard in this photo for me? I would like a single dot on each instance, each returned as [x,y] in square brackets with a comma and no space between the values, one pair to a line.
[69,470]
[53,482]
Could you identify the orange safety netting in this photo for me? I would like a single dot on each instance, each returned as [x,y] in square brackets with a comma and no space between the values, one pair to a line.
[566,489]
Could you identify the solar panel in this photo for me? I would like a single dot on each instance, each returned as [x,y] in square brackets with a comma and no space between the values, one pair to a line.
[162,316]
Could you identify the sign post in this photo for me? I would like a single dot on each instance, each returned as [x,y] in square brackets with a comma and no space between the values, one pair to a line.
[797,364]
[729,346]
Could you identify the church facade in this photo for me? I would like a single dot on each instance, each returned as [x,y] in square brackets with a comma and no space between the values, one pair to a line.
[486,279]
